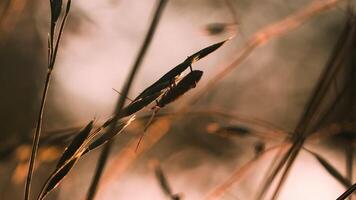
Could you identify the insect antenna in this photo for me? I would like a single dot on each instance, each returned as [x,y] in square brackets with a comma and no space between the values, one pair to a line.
[128,98]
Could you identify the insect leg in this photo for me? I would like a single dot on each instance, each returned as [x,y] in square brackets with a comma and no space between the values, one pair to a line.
[146,127]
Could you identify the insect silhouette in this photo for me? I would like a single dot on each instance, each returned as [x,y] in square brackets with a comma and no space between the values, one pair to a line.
[169,78]
[173,93]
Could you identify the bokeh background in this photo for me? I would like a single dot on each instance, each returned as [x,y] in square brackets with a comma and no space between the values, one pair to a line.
[99,46]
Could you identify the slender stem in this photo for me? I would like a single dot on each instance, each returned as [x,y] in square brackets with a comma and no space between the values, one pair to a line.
[347,192]
[52,58]
[105,152]
[36,138]
[263,36]
[270,178]
[99,169]
[349,161]
[287,170]
[60,32]
[220,190]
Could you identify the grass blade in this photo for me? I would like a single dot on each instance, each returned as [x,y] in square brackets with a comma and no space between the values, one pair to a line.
[55,4]
[331,169]
[75,145]
[347,193]
[107,136]
[56,8]
[56,177]
[125,90]
[204,52]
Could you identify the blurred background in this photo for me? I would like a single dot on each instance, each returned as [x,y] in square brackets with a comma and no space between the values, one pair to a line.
[257,105]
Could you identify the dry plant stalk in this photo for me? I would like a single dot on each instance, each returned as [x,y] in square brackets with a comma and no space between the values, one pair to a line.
[308,122]
[236,176]
[347,193]
[262,36]
[56,8]
[107,148]
[330,169]
[127,155]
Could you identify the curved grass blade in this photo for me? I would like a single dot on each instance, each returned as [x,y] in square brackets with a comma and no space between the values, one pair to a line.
[75,145]
[108,136]
[332,171]
[56,177]
[347,192]
[204,52]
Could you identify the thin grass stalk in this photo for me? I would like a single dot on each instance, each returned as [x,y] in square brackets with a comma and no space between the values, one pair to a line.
[267,183]
[67,133]
[238,174]
[347,192]
[349,161]
[334,64]
[287,169]
[273,165]
[127,155]
[261,37]
[338,57]
[301,129]
[37,135]
[54,53]
[105,153]
[330,169]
